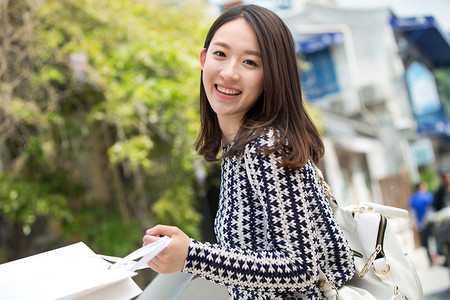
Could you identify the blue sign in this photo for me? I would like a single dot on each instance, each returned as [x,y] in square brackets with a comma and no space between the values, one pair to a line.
[426,104]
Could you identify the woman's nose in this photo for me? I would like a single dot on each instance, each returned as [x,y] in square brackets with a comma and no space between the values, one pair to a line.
[230,72]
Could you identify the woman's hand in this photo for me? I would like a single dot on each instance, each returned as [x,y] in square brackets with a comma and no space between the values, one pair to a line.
[172,258]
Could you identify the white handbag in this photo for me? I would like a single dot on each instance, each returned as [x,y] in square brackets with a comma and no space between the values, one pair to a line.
[383,270]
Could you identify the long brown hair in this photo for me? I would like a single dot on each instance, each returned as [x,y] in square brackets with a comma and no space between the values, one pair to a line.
[280,106]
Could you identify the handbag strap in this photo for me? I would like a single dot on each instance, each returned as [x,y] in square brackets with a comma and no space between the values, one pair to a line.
[328,289]
[326,187]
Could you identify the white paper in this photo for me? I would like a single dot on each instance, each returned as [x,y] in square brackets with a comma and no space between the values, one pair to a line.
[72,272]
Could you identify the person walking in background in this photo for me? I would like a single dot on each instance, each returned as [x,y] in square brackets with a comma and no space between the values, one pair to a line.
[275,228]
[421,202]
[441,230]
[442,195]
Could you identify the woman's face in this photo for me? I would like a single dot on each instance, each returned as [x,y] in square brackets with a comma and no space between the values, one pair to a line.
[232,71]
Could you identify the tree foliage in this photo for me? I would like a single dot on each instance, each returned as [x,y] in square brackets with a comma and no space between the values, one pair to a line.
[98,116]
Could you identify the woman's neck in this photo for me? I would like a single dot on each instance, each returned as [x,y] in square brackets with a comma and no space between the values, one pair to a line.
[229,128]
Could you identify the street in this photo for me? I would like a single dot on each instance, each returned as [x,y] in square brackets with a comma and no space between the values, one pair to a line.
[435,282]
[435,279]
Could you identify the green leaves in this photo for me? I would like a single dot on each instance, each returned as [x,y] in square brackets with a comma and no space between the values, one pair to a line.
[103,100]
[175,207]
[135,151]
[23,201]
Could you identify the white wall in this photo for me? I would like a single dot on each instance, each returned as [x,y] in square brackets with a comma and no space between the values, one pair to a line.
[368,57]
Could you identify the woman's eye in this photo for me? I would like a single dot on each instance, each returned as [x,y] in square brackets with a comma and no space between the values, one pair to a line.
[219,53]
[250,62]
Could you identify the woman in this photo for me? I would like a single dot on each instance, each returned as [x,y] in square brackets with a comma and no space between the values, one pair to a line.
[275,228]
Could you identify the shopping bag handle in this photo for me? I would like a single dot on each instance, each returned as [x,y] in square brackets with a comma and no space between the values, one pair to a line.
[146,253]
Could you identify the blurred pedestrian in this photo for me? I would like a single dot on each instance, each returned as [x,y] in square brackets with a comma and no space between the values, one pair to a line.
[421,203]
[441,230]
[442,195]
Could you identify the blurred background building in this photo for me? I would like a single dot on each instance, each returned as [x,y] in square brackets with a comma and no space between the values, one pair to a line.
[371,74]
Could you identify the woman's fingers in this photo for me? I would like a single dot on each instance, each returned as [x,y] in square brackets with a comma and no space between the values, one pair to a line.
[160,230]
[148,239]
[172,258]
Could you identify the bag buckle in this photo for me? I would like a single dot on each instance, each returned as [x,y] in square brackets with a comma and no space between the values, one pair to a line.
[384,272]
[362,209]
[369,262]
[327,189]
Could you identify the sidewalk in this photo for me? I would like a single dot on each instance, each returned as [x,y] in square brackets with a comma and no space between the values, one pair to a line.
[435,279]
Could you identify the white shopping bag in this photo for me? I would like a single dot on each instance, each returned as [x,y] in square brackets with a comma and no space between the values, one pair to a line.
[74,272]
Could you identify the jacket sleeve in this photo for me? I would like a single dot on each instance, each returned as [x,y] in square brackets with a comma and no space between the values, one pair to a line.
[291,262]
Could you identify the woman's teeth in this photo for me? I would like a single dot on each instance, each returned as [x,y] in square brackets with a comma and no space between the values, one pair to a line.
[227,91]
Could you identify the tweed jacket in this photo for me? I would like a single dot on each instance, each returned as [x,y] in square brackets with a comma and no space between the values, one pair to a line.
[275,231]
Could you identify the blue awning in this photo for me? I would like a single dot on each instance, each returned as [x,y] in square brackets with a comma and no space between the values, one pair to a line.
[438,129]
[426,34]
[309,43]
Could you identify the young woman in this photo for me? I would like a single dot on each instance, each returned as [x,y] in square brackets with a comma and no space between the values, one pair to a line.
[275,228]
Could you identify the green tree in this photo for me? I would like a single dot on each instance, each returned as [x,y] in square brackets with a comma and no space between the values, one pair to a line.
[99,106]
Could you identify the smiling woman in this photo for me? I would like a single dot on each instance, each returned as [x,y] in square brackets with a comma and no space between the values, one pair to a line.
[275,229]
[232,74]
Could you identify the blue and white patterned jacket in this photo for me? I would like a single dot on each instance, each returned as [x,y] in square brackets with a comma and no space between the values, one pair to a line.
[275,231]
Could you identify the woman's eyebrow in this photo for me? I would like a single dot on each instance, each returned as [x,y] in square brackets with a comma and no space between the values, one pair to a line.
[226,46]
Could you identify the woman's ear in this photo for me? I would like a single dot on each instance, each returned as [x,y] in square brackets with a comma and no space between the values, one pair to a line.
[202,57]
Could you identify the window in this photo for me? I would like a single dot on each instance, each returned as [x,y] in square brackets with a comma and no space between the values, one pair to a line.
[318,76]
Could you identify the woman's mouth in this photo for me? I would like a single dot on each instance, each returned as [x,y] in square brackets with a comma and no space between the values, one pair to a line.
[227,91]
